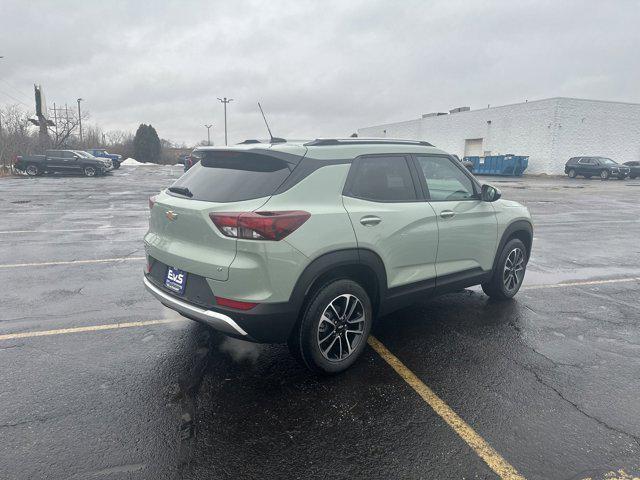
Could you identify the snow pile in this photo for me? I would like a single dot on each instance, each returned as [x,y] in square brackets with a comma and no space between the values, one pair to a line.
[132,162]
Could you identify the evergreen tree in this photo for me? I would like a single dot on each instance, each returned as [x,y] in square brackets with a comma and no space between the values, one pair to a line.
[146,144]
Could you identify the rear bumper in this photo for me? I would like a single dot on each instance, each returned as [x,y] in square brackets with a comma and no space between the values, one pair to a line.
[217,320]
[265,323]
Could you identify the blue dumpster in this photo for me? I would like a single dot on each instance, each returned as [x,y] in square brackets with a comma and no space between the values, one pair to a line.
[508,165]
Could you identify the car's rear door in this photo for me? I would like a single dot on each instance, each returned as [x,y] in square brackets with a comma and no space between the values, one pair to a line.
[467,226]
[591,166]
[55,160]
[390,218]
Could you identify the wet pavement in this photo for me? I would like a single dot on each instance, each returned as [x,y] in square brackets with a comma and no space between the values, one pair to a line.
[550,380]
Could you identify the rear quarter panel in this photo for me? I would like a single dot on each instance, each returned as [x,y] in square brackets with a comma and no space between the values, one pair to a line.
[268,271]
[329,228]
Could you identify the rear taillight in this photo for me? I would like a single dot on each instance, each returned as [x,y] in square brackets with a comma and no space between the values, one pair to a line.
[152,201]
[227,302]
[259,225]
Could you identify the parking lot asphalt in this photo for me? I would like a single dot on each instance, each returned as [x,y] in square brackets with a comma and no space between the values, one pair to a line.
[99,380]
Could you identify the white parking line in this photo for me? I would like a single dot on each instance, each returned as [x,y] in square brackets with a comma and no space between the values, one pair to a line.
[582,222]
[580,283]
[90,328]
[106,211]
[72,262]
[96,229]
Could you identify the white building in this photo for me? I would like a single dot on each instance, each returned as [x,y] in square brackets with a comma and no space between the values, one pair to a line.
[549,131]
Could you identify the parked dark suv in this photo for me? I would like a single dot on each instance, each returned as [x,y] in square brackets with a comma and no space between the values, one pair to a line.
[595,166]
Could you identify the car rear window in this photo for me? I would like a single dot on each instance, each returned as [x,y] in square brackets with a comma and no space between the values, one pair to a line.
[223,176]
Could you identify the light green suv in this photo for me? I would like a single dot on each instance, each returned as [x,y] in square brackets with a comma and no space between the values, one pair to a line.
[307,243]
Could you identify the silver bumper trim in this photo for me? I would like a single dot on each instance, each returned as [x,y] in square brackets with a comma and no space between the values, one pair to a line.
[219,321]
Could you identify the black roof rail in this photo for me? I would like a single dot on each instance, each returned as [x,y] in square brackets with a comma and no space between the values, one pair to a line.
[272,140]
[320,142]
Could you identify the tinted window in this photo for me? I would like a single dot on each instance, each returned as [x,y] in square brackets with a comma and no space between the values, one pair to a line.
[606,161]
[445,180]
[382,179]
[234,176]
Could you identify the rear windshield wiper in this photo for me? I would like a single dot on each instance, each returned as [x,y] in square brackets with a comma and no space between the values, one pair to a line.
[182,191]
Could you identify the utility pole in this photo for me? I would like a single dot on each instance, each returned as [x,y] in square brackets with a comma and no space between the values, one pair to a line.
[80,119]
[225,100]
[208,127]
[55,120]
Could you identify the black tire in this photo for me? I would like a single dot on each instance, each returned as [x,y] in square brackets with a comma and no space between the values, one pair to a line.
[321,336]
[632,177]
[572,173]
[32,170]
[116,165]
[90,171]
[621,177]
[604,174]
[498,287]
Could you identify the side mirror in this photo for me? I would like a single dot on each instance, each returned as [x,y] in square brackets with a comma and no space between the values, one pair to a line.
[489,193]
[76,157]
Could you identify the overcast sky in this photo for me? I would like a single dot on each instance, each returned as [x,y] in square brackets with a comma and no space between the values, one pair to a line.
[320,68]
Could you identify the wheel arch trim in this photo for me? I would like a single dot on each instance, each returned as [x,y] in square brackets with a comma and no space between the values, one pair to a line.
[331,261]
[509,232]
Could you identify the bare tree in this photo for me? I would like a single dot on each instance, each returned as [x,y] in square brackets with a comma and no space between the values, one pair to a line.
[115,137]
[65,124]
[17,135]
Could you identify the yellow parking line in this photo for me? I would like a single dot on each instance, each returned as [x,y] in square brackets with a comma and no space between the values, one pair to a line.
[71,262]
[90,328]
[492,458]
[577,284]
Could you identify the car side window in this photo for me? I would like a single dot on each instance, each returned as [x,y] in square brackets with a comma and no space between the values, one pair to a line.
[445,181]
[382,179]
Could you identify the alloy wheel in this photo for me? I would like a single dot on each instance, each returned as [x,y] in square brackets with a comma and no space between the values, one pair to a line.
[341,327]
[32,170]
[513,270]
[89,171]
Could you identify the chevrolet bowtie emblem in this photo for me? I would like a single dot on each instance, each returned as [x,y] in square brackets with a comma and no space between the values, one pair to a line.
[171,215]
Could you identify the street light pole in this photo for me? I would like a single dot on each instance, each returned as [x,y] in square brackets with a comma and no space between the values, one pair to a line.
[80,119]
[225,100]
[208,135]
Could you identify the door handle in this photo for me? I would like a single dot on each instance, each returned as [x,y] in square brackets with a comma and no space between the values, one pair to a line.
[447,214]
[370,220]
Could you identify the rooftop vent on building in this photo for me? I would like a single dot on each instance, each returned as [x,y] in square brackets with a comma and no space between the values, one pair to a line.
[460,109]
[433,114]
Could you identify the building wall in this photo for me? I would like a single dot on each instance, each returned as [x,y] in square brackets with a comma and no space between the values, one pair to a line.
[548,131]
[588,127]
